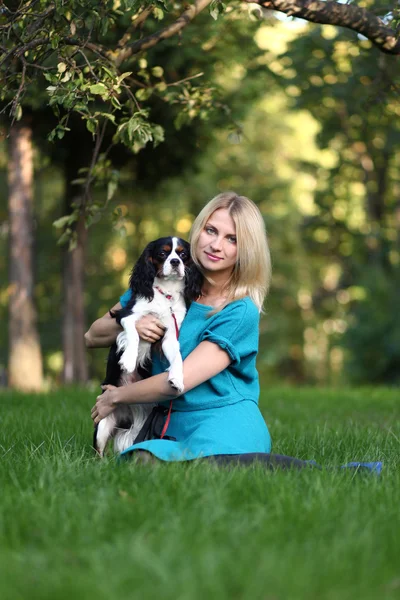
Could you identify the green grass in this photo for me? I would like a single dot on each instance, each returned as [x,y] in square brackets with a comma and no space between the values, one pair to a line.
[74,527]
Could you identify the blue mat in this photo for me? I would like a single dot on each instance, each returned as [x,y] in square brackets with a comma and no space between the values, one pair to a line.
[372,467]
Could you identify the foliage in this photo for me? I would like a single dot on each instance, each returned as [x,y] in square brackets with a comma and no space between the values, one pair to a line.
[76,57]
[373,343]
[327,183]
[352,223]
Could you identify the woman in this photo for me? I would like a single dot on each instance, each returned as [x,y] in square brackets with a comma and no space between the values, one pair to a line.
[218,414]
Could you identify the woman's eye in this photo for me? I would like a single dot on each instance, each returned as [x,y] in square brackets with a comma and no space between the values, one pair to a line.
[232,239]
[209,230]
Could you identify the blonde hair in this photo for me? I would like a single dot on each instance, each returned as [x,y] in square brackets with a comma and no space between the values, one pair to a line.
[251,275]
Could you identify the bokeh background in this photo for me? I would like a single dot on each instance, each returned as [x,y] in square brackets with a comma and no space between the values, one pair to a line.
[303,119]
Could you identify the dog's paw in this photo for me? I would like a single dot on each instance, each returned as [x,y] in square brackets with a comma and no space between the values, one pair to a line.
[128,361]
[99,452]
[175,379]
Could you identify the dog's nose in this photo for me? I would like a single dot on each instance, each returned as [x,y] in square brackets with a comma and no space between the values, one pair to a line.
[175,262]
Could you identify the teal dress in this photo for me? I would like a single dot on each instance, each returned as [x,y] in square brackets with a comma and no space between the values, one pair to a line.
[221,415]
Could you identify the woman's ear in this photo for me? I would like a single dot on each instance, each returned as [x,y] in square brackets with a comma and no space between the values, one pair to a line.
[143,274]
[193,283]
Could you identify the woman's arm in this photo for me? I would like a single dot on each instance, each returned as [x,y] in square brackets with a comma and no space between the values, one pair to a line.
[103,332]
[206,361]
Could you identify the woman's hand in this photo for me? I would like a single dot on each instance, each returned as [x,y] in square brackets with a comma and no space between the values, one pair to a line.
[150,329]
[105,403]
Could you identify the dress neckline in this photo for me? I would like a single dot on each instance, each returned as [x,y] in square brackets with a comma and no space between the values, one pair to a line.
[202,305]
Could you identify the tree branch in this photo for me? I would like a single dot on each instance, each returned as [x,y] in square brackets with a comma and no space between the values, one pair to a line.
[152,40]
[343,15]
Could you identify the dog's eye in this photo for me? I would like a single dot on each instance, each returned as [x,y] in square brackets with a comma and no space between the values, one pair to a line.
[162,254]
[183,255]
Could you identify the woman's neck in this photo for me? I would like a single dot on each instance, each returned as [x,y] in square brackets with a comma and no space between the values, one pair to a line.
[214,293]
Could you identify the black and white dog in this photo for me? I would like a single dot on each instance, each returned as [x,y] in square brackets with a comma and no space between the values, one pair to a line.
[163,282]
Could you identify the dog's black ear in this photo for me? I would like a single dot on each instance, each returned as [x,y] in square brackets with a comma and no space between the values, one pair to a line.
[143,274]
[193,283]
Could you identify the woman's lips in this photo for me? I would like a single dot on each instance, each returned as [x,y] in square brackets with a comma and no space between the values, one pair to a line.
[212,257]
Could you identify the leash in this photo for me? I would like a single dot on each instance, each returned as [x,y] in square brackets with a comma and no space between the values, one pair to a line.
[167,420]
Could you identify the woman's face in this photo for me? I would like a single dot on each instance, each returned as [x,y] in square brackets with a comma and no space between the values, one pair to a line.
[216,248]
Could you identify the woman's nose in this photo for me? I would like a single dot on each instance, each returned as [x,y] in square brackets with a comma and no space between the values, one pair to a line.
[216,244]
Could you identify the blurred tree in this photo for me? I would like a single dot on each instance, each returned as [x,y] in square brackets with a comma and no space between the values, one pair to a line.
[352,92]
[25,359]
[89,56]
[141,173]
[88,53]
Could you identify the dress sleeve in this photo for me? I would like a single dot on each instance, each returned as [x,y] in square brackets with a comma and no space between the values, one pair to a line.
[236,330]
[124,299]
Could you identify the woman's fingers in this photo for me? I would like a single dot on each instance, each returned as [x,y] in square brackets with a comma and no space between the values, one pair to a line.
[159,324]
[150,328]
[151,338]
[156,329]
[155,333]
[106,386]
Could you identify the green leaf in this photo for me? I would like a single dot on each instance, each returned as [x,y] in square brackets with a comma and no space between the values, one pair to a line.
[91,125]
[55,40]
[64,238]
[143,93]
[111,75]
[108,116]
[158,135]
[133,125]
[121,127]
[157,71]
[115,102]
[73,242]
[59,223]
[217,8]
[158,13]
[98,88]
[123,76]
[18,112]
[81,106]
[111,188]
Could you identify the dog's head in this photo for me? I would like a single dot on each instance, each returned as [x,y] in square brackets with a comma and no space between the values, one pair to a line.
[167,258]
[170,256]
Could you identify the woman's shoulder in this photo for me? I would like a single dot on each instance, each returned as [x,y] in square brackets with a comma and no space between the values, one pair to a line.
[244,305]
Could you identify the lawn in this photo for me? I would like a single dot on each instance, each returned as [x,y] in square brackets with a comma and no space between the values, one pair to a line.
[74,527]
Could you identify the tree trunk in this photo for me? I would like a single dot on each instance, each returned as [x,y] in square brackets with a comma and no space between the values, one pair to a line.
[25,369]
[73,309]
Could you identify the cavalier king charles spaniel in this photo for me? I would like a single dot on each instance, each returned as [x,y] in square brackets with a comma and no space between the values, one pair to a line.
[163,282]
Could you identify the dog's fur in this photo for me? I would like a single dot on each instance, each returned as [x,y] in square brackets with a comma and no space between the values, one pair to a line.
[163,282]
